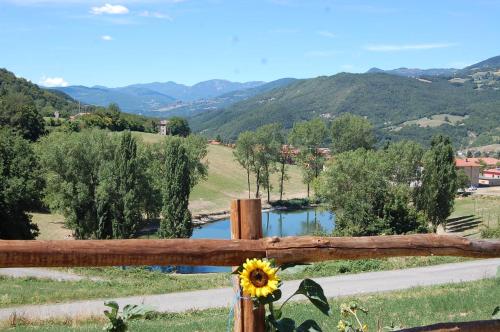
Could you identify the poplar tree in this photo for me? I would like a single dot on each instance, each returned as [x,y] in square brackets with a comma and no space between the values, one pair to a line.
[127,207]
[175,187]
[436,193]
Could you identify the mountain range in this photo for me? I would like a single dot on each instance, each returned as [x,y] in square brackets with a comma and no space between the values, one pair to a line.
[465,106]
[152,97]
[401,103]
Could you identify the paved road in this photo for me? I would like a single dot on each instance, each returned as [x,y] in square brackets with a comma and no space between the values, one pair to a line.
[334,286]
[43,274]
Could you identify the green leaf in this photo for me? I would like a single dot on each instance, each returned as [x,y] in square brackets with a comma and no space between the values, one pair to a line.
[313,291]
[114,309]
[273,297]
[132,311]
[285,325]
[277,313]
[496,313]
[309,326]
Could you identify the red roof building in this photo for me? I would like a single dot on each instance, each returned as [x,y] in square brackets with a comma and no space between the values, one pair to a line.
[471,169]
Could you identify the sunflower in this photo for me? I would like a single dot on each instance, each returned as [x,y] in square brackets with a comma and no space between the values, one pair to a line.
[258,278]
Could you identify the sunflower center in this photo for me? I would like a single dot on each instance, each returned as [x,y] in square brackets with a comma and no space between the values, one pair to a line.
[258,278]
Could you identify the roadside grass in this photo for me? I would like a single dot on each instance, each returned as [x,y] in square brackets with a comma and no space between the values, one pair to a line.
[408,308]
[118,282]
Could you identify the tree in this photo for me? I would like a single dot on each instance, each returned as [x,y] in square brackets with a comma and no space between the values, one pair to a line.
[19,113]
[269,142]
[351,132]
[127,182]
[308,137]
[361,186]
[463,181]
[98,182]
[435,196]
[178,126]
[197,149]
[74,165]
[176,187]
[20,187]
[244,153]
[405,161]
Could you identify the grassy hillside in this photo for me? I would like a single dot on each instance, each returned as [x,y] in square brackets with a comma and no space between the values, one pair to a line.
[227,180]
[386,100]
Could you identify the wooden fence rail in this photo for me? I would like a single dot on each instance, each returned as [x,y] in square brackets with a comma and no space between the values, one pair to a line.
[14,253]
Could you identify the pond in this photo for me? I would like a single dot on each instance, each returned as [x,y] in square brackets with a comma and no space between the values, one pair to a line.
[274,223]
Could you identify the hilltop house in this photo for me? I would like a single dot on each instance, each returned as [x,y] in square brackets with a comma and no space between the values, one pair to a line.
[164,127]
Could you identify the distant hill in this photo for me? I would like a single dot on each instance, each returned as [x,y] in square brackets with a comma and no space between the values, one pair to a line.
[388,101]
[493,63]
[151,97]
[190,109]
[416,72]
[46,101]
[131,100]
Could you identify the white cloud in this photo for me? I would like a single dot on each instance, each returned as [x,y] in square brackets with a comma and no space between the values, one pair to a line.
[406,47]
[106,38]
[326,34]
[52,82]
[147,13]
[109,9]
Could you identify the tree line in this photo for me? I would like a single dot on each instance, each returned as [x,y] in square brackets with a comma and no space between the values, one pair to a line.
[104,184]
[398,189]
[270,149]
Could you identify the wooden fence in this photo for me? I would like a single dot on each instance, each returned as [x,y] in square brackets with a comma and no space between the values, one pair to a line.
[247,242]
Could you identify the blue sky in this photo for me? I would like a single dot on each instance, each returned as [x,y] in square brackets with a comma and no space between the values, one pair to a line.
[115,43]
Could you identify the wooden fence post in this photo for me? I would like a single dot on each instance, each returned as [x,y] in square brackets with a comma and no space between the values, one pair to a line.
[246,223]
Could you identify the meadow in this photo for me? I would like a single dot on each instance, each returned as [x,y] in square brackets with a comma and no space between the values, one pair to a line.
[413,307]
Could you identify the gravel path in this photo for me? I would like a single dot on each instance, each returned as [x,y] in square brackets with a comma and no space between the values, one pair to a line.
[334,286]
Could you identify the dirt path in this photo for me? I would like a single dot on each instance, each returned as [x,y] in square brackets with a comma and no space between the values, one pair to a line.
[334,286]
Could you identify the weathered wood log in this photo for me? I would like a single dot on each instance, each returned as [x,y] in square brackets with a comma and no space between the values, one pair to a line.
[246,223]
[15,253]
[474,326]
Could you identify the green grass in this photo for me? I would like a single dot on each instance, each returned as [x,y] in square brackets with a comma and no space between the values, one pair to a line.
[414,307]
[138,281]
[51,226]
[485,208]
[116,283]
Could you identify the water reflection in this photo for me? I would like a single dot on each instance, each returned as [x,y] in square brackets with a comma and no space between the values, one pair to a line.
[274,223]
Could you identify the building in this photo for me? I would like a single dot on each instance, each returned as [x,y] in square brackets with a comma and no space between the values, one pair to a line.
[490,177]
[56,114]
[164,127]
[471,168]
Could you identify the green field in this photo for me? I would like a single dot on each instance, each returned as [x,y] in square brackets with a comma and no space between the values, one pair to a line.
[478,212]
[408,308]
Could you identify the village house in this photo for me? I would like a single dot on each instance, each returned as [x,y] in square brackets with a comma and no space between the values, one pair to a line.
[471,169]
